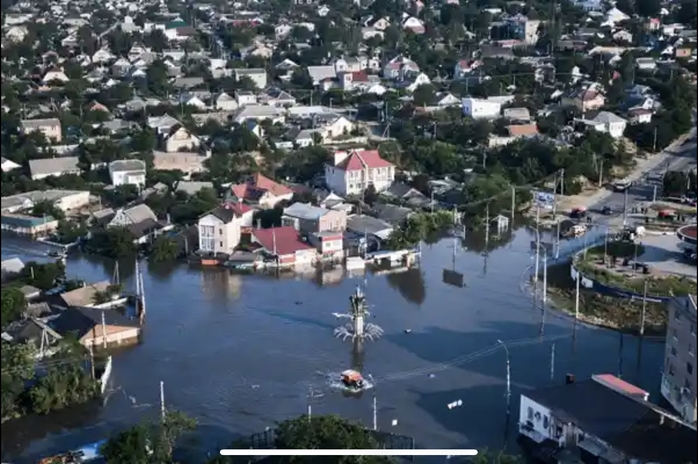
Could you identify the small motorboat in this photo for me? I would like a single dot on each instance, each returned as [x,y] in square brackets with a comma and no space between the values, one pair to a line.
[353,379]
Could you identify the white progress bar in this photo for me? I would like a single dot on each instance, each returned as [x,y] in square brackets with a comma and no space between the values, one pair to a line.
[348,452]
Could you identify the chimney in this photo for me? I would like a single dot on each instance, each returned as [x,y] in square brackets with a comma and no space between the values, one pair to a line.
[569,379]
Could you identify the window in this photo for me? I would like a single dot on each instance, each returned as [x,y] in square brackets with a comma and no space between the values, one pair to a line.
[677,315]
[689,368]
[690,350]
[671,369]
[530,413]
[220,244]
[545,422]
[687,384]
[673,351]
[693,330]
[220,231]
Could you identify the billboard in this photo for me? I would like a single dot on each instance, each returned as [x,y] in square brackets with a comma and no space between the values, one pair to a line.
[453,278]
[545,200]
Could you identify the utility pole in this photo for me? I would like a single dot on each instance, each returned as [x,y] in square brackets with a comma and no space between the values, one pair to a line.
[506,352]
[487,227]
[162,400]
[555,194]
[654,194]
[576,295]
[601,173]
[552,361]
[104,331]
[562,182]
[654,142]
[644,310]
[374,403]
[92,362]
[625,206]
[537,259]
[513,203]
[545,279]
[310,406]
[557,240]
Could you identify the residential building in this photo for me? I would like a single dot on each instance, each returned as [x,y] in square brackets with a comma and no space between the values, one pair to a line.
[609,123]
[329,244]
[127,172]
[51,128]
[84,296]
[257,75]
[363,225]
[351,172]
[28,226]
[308,219]
[65,200]
[261,191]
[96,327]
[47,167]
[646,64]
[464,68]
[178,138]
[187,162]
[678,373]
[604,419]
[140,220]
[284,245]
[585,99]
[477,108]
[220,229]
[639,116]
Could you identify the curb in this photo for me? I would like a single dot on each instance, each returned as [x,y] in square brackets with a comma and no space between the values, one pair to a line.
[658,233]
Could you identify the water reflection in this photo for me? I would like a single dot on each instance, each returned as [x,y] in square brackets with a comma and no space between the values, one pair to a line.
[220,283]
[162,271]
[17,434]
[329,276]
[410,284]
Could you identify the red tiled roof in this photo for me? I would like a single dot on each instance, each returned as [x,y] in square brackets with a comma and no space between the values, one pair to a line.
[280,240]
[238,207]
[257,184]
[359,76]
[361,159]
[620,385]
[522,130]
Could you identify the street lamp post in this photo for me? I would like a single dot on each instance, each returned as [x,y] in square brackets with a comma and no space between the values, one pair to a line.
[506,352]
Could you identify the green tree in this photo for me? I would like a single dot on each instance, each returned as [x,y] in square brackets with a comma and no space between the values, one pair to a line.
[70,231]
[486,456]
[17,367]
[113,242]
[13,303]
[164,248]
[326,432]
[43,276]
[47,208]
[148,443]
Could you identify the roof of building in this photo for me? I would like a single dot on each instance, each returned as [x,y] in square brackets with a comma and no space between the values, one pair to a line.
[280,240]
[637,428]
[360,223]
[12,266]
[84,296]
[258,183]
[48,166]
[305,211]
[21,220]
[127,165]
[607,117]
[140,213]
[80,320]
[357,160]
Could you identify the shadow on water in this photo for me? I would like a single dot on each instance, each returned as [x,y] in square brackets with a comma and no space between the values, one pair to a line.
[410,284]
[17,434]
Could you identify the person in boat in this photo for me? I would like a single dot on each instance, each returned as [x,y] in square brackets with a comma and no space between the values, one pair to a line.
[352,379]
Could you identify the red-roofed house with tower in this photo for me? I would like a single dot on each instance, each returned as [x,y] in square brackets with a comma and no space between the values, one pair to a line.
[351,172]
[261,191]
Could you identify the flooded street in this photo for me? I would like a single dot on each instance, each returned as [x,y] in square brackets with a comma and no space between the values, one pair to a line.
[240,353]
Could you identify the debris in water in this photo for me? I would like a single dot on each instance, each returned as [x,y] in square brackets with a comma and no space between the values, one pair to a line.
[254,387]
[394,422]
[431,376]
[408,331]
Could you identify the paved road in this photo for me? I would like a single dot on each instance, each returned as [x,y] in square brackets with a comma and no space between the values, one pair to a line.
[673,159]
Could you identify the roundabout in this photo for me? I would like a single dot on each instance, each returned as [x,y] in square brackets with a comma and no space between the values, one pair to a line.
[687,235]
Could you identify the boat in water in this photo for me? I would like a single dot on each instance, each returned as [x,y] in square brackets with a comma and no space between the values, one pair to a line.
[353,379]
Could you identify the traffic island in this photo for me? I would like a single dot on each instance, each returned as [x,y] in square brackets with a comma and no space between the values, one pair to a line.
[623,314]
[613,285]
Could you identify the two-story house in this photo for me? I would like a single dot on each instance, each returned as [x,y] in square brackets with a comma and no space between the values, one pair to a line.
[220,229]
[679,371]
[51,128]
[127,172]
[309,219]
[351,172]
[261,191]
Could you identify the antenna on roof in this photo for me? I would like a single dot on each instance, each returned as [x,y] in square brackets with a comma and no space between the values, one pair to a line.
[273,238]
